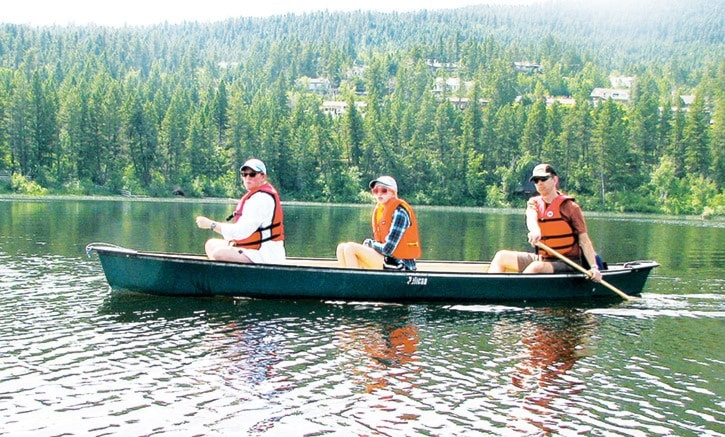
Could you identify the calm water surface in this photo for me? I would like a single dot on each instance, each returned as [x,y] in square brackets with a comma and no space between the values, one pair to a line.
[78,359]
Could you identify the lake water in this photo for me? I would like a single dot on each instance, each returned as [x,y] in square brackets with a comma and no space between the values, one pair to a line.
[78,359]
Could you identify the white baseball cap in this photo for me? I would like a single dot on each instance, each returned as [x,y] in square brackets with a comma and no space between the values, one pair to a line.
[254,164]
[543,170]
[386,181]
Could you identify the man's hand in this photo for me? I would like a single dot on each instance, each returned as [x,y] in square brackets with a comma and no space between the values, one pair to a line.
[595,275]
[534,237]
[203,222]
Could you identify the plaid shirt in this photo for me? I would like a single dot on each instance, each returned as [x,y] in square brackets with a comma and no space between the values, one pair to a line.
[401,222]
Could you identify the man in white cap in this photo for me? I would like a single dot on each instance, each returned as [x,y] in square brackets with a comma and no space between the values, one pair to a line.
[556,220]
[256,234]
[395,243]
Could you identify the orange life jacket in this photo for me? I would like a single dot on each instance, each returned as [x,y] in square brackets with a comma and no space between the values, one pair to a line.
[273,232]
[409,245]
[556,232]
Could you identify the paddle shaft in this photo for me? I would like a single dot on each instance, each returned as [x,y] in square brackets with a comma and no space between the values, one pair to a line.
[622,294]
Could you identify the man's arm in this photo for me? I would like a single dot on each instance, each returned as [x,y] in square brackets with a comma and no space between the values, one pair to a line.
[532,223]
[590,255]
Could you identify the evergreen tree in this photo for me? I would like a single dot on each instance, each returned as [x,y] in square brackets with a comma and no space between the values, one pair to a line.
[220,116]
[717,143]
[695,138]
[18,132]
[645,119]
[5,78]
[676,147]
[552,150]
[141,137]
[575,140]
[471,149]
[615,166]
[535,130]
[664,128]
[173,134]
[352,132]
[43,126]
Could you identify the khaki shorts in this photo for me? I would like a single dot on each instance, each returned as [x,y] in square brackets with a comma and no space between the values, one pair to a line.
[525,258]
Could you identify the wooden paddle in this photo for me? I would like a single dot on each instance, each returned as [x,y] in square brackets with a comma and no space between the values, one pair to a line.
[622,294]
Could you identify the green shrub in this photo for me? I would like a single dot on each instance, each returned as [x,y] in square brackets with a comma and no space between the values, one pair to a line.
[21,185]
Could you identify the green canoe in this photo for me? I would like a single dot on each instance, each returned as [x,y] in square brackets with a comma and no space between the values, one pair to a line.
[435,281]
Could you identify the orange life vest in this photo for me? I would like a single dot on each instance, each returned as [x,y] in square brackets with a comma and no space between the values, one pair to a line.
[409,245]
[556,232]
[273,232]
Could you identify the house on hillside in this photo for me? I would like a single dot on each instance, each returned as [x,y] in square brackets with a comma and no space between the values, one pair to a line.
[562,100]
[528,67]
[320,85]
[464,102]
[435,64]
[336,108]
[603,94]
[451,85]
[686,101]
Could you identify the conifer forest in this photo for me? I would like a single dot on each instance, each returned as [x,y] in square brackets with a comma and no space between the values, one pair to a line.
[626,101]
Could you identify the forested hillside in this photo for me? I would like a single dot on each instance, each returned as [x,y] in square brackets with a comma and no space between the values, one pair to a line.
[626,99]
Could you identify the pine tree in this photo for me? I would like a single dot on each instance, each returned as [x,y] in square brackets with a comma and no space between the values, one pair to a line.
[695,138]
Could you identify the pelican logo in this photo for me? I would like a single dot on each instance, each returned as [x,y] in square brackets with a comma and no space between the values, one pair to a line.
[550,214]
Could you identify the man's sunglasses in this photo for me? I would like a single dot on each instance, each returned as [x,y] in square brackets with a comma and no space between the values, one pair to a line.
[538,179]
[249,174]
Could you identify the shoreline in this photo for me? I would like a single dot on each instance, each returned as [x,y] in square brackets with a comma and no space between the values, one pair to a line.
[715,220]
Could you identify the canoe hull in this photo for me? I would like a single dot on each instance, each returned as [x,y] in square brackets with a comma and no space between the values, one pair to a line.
[188,275]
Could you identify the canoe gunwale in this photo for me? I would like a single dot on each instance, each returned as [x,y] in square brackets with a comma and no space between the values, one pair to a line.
[320,263]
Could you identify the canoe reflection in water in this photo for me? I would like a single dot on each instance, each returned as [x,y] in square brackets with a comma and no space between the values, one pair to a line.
[549,351]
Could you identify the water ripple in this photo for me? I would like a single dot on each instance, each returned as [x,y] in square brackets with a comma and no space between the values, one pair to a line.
[80,360]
